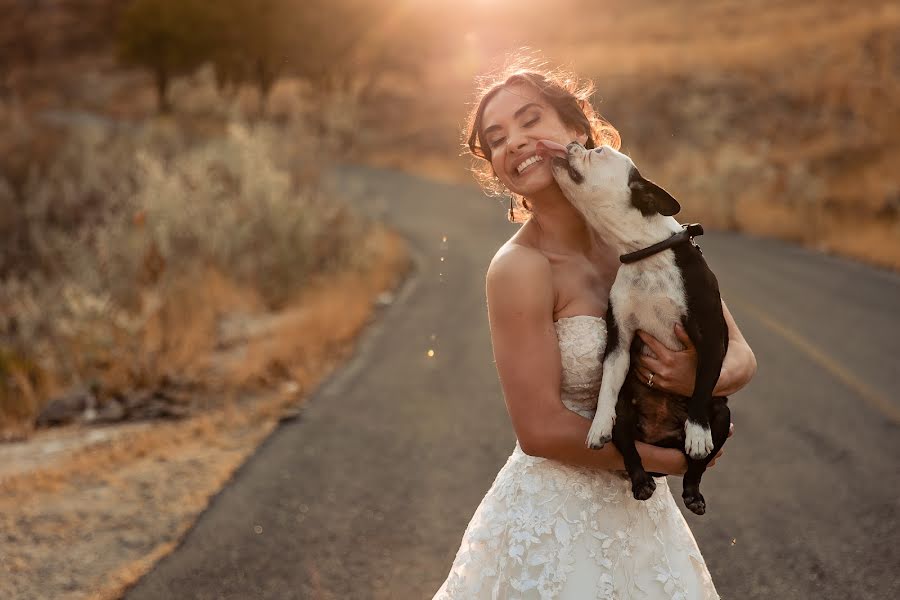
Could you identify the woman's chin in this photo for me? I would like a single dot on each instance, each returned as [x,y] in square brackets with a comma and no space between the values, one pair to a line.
[533,182]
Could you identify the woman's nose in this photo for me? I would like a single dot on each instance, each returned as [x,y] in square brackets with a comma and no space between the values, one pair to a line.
[517,141]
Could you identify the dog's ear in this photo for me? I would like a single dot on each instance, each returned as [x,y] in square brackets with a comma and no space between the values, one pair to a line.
[649,198]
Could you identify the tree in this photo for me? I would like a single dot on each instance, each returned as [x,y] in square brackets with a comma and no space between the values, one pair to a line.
[257,41]
[335,45]
[169,37]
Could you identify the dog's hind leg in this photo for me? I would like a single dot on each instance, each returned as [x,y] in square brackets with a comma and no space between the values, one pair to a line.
[720,421]
[623,435]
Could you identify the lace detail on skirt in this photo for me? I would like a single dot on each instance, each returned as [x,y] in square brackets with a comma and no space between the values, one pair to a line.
[548,530]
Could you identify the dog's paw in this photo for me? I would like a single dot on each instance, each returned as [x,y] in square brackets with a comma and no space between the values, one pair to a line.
[698,442]
[600,433]
[642,487]
[694,501]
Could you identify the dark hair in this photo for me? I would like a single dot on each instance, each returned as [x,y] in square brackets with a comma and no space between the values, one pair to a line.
[560,89]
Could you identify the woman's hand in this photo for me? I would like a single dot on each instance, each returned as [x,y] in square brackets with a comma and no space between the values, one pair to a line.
[673,371]
[676,371]
[722,449]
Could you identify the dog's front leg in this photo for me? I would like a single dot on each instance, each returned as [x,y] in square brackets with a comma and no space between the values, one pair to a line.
[711,347]
[615,368]
[720,421]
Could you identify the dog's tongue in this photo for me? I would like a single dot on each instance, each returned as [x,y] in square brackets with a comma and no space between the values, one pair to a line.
[551,148]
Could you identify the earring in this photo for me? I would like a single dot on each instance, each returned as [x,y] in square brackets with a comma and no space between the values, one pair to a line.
[511,217]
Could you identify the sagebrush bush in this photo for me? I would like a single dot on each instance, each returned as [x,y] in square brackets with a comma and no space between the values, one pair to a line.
[122,217]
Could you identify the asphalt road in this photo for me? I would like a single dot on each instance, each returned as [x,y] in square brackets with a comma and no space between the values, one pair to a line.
[368,493]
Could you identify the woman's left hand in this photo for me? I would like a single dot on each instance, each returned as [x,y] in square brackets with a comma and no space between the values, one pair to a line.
[673,371]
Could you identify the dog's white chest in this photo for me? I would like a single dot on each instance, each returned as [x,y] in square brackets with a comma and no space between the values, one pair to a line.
[649,295]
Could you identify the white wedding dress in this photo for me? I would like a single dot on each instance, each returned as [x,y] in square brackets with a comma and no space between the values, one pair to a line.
[549,530]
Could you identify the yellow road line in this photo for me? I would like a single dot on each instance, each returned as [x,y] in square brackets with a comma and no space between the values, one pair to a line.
[874,398]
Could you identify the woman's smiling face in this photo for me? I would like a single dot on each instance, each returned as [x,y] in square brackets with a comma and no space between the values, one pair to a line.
[513,121]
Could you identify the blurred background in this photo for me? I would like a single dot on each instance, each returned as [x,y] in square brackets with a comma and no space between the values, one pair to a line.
[171,252]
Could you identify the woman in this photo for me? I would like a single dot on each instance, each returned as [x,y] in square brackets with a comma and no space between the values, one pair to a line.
[560,520]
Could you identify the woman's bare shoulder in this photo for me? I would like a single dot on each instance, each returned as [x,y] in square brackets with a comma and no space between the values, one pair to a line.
[514,259]
[517,253]
[520,276]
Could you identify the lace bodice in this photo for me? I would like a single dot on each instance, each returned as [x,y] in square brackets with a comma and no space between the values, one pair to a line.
[582,341]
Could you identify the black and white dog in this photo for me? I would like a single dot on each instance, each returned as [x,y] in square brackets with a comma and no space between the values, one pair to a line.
[663,279]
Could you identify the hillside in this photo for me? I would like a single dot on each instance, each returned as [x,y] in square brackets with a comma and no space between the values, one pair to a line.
[776,118]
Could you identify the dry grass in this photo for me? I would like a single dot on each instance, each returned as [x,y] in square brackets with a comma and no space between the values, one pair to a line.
[710,36]
[874,243]
[125,250]
[128,501]
[304,335]
[180,334]
[133,243]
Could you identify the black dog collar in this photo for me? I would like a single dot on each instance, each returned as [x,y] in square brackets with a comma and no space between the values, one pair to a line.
[687,234]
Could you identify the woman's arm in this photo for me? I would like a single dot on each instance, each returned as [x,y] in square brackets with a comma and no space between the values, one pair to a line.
[739,366]
[675,371]
[520,301]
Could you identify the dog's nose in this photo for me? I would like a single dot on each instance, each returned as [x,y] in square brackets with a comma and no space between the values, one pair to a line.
[573,145]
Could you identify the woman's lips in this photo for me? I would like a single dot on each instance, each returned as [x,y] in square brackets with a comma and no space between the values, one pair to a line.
[550,148]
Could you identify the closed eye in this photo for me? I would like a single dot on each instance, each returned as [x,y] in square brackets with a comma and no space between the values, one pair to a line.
[498,141]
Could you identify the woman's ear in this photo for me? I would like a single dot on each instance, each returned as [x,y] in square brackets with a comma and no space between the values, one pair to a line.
[581,138]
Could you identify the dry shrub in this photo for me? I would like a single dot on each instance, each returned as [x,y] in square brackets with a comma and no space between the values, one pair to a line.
[876,243]
[21,384]
[326,315]
[138,240]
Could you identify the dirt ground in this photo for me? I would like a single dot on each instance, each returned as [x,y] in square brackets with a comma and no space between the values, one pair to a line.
[85,511]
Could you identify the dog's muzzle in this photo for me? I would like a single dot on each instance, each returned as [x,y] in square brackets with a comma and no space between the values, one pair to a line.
[572,148]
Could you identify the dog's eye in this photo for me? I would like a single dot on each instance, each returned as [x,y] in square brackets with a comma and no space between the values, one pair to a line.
[598,150]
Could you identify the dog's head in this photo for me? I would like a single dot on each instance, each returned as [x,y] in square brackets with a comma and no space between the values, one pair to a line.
[606,187]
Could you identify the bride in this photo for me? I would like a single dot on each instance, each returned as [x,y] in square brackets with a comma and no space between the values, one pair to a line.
[560,521]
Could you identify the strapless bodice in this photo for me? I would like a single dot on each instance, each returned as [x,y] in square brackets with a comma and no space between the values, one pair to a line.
[582,341]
